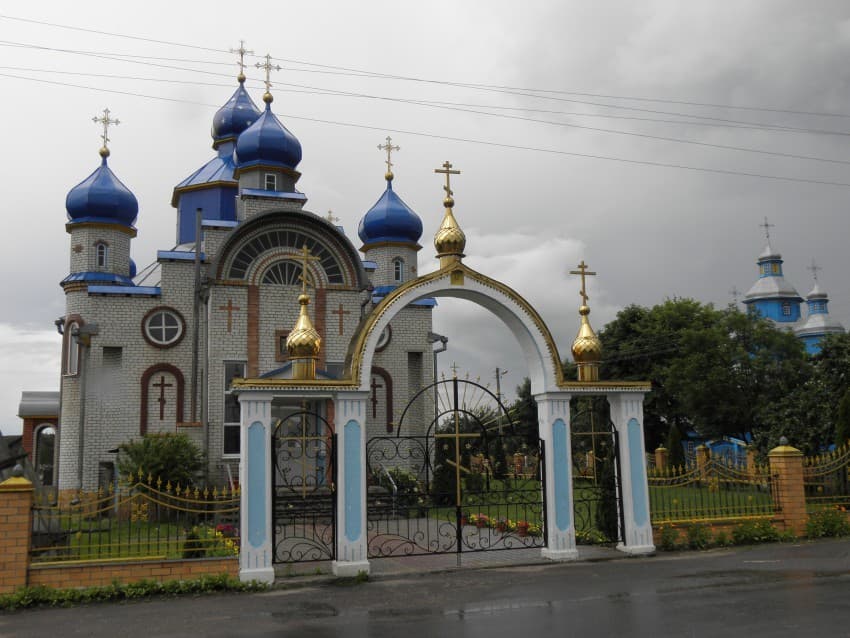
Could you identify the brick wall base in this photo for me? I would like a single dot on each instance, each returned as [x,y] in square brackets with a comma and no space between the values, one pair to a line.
[66,576]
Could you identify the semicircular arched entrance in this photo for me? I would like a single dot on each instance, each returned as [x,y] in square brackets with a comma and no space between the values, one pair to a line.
[460,281]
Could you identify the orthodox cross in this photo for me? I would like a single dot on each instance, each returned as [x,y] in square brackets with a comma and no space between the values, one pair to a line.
[814,268]
[269,67]
[331,217]
[242,51]
[448,172]
[389,148]
[162,385]
[340,311]
[735,293]
[105,120]
[375,385]
[229,308]
[306,257]
[583,271]
[767,228]
[454,369]
[457,435]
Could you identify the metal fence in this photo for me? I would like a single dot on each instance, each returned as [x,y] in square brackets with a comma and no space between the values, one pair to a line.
[826,479]
[141,518]
[710,492]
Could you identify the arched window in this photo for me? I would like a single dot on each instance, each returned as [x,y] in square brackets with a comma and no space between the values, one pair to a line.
[101,251]
[72,349]
[398,270]
[45,439]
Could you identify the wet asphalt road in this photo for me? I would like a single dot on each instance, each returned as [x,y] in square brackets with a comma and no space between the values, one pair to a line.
[778,590]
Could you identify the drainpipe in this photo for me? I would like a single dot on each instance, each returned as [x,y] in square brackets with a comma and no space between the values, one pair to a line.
[433,337]
[196,311]
[83,335]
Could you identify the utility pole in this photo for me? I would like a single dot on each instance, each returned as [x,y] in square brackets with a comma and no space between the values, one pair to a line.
[499,374]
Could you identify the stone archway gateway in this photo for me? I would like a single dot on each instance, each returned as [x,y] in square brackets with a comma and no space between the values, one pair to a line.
[349,397]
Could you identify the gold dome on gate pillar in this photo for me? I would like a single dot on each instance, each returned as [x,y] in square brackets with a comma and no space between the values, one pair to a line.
[304,340]
[449,239]
[586,348]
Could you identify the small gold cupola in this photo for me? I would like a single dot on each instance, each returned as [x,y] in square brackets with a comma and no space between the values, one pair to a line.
[449,240]
[303,343]
[587,349]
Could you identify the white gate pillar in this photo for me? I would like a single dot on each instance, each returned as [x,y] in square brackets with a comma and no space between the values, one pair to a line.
[351,534]
[553,414]
[255,477]
[627,416]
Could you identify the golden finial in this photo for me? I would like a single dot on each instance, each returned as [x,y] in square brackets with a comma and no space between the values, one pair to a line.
[105,120]
[389,148]
[269,67]
[450,240]
[587,349]
[242,51]
[304,342]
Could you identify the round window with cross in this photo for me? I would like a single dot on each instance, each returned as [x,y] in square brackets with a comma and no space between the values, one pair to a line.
[163,327]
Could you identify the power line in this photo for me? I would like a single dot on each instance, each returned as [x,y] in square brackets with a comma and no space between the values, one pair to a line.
[528,91]
[685,167]
[458,108]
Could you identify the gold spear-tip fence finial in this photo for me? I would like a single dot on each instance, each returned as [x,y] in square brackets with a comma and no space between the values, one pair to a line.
[105,121]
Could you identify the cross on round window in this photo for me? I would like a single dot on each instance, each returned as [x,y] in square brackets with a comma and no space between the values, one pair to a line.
[163,327]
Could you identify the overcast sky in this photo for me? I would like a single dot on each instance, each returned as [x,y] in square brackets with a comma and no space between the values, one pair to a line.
[539,190]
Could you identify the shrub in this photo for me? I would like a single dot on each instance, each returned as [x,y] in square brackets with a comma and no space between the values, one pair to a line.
[750,532]
[699,536]
[474,482]
[828,523]
[721,539]
[408,493]
[669,539]
[168,456]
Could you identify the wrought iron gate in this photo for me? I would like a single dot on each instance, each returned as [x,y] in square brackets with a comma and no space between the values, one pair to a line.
[304,494]
[597,491]
[462,479]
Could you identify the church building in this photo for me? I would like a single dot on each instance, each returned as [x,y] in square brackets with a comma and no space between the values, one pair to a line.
[255,286]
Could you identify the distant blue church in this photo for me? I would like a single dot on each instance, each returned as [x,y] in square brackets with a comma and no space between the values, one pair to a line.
[774,298]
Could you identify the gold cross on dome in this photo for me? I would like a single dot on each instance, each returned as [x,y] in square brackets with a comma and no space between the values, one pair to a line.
[767,228]
[389,148]
[269,67]
[448,172]
[105,120]
[331,217]
[583,271]
[306,258]
[242,51]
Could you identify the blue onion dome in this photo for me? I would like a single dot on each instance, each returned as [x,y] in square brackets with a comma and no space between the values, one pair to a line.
[101,197]
[268,142]
[237,114]
[390,219]
[134,270]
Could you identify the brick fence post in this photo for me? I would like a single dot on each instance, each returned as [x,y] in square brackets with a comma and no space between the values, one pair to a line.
[16,495]
[786,468]
[703,457]
[662,457]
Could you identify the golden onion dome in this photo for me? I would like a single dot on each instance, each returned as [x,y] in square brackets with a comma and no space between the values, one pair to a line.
[303,341]
[586,348]
[450,239]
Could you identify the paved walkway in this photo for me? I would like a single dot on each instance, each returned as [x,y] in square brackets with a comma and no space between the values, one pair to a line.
[404,565]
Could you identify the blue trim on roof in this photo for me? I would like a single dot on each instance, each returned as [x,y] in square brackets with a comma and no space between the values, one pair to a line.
[99,220]
[369,265]
[178,255]
[382,291]
[219,169]
[98,277]
[126,291]
[259,192]
[287,366]
[218,223]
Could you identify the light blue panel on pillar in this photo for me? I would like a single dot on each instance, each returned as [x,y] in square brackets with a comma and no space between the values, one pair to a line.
[256,484]
[353,470]
[560,467]
[638,473]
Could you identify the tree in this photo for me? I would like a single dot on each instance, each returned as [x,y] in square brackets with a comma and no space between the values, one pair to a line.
[842,425]
[524,415]
[713,371]
[674,447]
[173,458]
